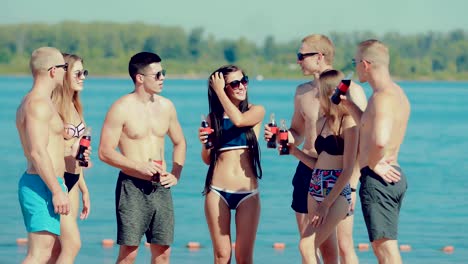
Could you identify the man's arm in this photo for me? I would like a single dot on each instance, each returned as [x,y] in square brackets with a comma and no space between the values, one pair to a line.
[178,140]
[110,136]
[37,120]
[380,136]
[296,131]
[381,128]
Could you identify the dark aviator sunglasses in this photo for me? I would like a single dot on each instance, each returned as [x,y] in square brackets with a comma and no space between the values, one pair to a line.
[302,56]
[64,66]
[157,75]
[236,84]
[80,74]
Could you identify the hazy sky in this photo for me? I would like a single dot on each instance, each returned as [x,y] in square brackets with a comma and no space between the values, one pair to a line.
[253,19]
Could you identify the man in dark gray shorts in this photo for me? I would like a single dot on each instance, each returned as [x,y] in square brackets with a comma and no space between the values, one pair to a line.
[137,123]
[382,129]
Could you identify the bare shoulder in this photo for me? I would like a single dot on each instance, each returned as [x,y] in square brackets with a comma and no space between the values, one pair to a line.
[122,105]
[256,107]
[348,122]
[357,95]
[37,107]
[303,88]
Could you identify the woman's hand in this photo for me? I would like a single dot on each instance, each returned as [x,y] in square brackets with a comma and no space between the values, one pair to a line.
[86,206]
[203,134]
[217,82]
[319,215]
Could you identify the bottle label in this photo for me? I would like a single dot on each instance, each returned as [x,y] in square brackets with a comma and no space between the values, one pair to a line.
[274,129]
[85,142]
[207,130]
[283,135]
[343,87]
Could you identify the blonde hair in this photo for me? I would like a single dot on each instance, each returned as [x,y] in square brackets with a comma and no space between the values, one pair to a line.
[328,82]
[43,58]
[64,95]
[322,44]
[375,52]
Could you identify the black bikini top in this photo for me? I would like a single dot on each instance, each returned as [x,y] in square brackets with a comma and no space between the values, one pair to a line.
[332,144]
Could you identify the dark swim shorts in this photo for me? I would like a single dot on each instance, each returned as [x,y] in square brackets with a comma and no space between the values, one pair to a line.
[301,183]
[381,202]
[143,208]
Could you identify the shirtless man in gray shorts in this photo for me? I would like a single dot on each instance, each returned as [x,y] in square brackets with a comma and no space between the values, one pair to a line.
[382,130]
[137,124]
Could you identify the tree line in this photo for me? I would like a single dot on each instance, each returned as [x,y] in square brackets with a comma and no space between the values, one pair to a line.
[106,48]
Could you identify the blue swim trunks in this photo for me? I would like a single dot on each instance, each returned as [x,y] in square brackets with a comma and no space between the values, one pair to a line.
[36,204]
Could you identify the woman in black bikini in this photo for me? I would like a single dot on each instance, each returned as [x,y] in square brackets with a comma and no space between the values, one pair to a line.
[67,101]
[329,192]
[234,160]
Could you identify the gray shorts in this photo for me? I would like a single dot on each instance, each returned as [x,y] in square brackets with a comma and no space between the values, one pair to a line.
[143,208]
[381,202]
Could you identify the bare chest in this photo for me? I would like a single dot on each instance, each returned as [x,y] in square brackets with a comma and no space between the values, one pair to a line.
[146,124]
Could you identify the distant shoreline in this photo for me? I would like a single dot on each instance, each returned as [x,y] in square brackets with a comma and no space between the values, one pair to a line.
[202,77]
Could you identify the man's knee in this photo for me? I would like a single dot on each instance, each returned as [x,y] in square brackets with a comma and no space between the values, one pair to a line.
[385,248]
[127,254]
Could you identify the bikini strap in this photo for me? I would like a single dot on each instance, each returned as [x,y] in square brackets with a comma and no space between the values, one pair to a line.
[324,122]
[341,122]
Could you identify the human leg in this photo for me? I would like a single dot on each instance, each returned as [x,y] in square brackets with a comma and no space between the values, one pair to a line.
[218,218]
[329,249]
[161,228]
[39,247]
[127,254]
[345,241]
[381,203]
[247,217]
[315,236]
[69,241]
[160,254]
[134,212]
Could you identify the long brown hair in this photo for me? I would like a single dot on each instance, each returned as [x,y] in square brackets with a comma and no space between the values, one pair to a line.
[63,95]
[216,117]
[328,81]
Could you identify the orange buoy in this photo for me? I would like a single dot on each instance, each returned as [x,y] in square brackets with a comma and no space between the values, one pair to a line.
[107,243]
[233,245]
[405,248]
[193,245]
[448,249]
[21,241]
[363,247]
[279,245]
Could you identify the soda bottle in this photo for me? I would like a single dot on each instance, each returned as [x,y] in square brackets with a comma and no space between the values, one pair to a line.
[274,129]
[342,88]
[283,136]
[207,129]
[85,142]
[157,176]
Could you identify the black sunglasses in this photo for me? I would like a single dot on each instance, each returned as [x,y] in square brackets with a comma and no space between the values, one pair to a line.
[157,75]
[64,66]
[236,84]
[80,74]
[302,56]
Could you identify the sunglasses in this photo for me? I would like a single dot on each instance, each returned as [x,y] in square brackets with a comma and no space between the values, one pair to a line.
[64,66]
[236,84]
[302,56]
[354,62]
[80,74]
[157,76]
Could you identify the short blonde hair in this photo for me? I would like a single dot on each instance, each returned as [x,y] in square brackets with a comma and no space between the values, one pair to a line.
[43,58]
[375,52]
[322,44]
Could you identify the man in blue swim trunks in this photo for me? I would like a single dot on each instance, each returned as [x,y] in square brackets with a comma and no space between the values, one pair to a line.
[382,129]
[42,193]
